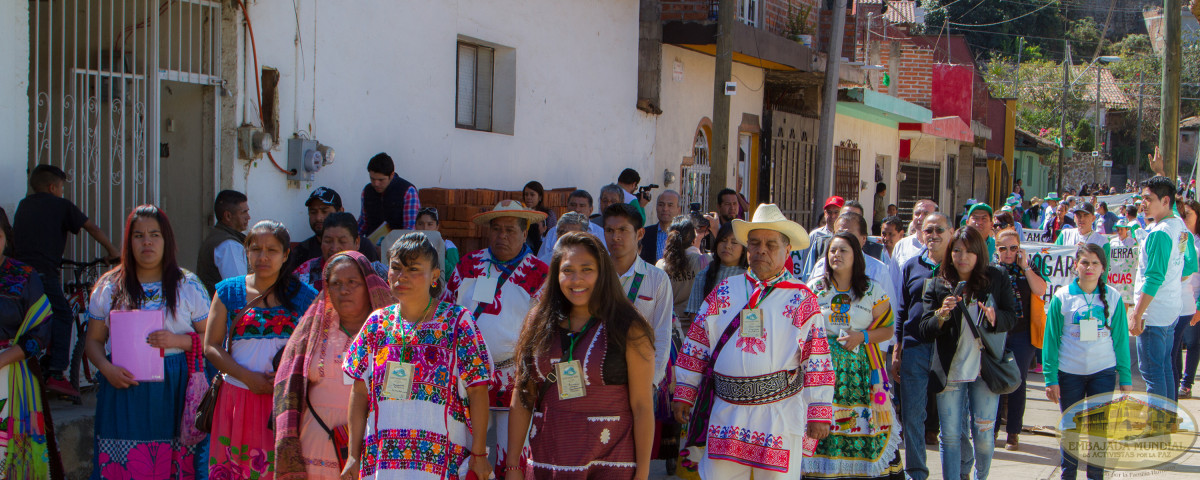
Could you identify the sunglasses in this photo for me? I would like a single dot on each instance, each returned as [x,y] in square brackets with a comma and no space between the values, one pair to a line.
[429,211]
[1002,249]
[931,230]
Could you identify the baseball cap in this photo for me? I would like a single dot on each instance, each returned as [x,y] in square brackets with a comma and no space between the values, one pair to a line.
[834,201]
[326,196]
[1085,207]
[980,207]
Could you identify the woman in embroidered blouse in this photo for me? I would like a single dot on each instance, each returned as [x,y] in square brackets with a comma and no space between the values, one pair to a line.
[864,440]
[310,383]
[1026,284]
[606,429]
[339,233]
[988,298]
[260,311]
[415,421]
[1078,367]
[24,330]
[137,422]
[730,261]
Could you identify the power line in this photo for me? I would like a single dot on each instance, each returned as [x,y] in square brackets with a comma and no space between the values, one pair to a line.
[1043,7]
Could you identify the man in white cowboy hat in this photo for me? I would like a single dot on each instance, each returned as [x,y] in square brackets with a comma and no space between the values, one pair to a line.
[761,338]
[498,284]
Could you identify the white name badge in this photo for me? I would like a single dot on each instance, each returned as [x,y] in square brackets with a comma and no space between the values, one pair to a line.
[752,323]
[398,383]
[570,380]
[347,379]
[485,290]
[1089,330]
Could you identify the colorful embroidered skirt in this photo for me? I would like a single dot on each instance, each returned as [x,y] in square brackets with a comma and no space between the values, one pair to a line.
[137,429]
[854,449]
[241,445]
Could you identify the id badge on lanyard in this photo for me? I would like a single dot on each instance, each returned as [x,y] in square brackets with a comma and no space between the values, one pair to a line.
[398,380]
[570,379]
[752,323]
[1089,329]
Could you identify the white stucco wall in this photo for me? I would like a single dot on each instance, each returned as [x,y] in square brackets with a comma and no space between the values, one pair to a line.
[872,139]
[686,102]
[14,102]
[382,79]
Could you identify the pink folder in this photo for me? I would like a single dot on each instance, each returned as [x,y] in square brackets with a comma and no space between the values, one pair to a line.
[128,331]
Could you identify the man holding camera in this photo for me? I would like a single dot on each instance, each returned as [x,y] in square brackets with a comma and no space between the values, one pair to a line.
[628,180]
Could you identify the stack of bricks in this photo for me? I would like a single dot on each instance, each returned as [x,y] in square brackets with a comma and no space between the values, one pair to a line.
[456,207]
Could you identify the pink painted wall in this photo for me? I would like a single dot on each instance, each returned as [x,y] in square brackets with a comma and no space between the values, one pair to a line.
[953,91]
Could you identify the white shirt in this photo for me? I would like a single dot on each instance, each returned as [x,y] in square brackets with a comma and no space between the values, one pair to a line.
[1071,236]
[547,249]
[230,257]
[907,248]
[655,302]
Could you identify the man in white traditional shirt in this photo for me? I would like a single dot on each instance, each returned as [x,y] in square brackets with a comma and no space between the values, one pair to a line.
[764,337]
[498,285]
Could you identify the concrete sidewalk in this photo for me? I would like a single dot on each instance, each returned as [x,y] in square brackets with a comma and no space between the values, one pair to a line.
[1038,456]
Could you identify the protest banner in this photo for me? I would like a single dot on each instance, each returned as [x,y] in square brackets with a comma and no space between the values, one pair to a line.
[1056,264]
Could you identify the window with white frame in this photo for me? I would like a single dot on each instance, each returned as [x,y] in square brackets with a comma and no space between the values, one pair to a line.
[476,68]
[747,12]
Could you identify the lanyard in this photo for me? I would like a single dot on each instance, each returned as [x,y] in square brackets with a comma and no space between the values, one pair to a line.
[1087,299]
[573,337]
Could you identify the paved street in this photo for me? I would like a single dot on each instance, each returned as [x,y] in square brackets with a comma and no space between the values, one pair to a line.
[1039,455]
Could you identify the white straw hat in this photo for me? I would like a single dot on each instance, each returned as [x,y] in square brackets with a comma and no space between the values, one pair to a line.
[768,217]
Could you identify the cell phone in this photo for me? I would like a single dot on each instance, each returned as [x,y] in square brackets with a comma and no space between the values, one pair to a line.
[958,289]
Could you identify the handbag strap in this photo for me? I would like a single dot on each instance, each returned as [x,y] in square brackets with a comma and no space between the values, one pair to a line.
[317,417]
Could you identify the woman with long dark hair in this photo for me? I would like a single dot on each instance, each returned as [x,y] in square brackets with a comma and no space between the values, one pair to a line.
[584,371]
[680,262]
[137,423]
[986,301]
[864,440]
[252,318]
[24,333]
[1187,332]
[534,196]
[1080,363]
[730,260]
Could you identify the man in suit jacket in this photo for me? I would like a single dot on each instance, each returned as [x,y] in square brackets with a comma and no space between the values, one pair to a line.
[667,208]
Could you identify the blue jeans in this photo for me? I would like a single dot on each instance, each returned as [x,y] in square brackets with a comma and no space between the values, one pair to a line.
[61,325]
[1185,338]
[964,407]
[1154,360]
[913,381]
[1022,348]
[1073,388]
[1191,342]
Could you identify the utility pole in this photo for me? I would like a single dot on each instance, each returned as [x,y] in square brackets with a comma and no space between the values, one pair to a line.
[1062,124]
[1096,130]
[1168,128]
[719,159]
[1137,149]
[824,183]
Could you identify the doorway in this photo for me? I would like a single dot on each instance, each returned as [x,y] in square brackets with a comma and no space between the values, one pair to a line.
[187,163]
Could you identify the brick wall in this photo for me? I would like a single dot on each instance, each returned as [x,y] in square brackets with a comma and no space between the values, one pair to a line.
[456,207]
[686,10]
[915,77]
[775,14]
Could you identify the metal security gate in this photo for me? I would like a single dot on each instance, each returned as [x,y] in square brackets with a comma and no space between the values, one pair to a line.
[793,162]
[918,182]
[97,69]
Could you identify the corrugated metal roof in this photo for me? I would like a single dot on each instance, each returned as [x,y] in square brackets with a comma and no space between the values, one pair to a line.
[899,11]
[1190,122]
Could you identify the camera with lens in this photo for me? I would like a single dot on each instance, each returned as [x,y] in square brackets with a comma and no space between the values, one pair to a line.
[643,192]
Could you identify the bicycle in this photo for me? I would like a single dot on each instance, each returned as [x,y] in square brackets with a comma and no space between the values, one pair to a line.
[78,293]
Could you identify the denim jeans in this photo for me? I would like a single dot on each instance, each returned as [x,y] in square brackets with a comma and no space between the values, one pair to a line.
[1191,343]
[1154,360]
[964,407]
[913,382]
[1023,351]
[61,325]
[1073,388]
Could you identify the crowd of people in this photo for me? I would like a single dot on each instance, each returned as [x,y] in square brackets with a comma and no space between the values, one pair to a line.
[589,344]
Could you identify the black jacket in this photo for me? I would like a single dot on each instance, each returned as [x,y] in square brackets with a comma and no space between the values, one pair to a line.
[650,244]
[946,335]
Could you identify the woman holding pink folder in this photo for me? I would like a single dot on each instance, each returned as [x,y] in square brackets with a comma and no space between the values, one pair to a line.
[253,318]
[137,423]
